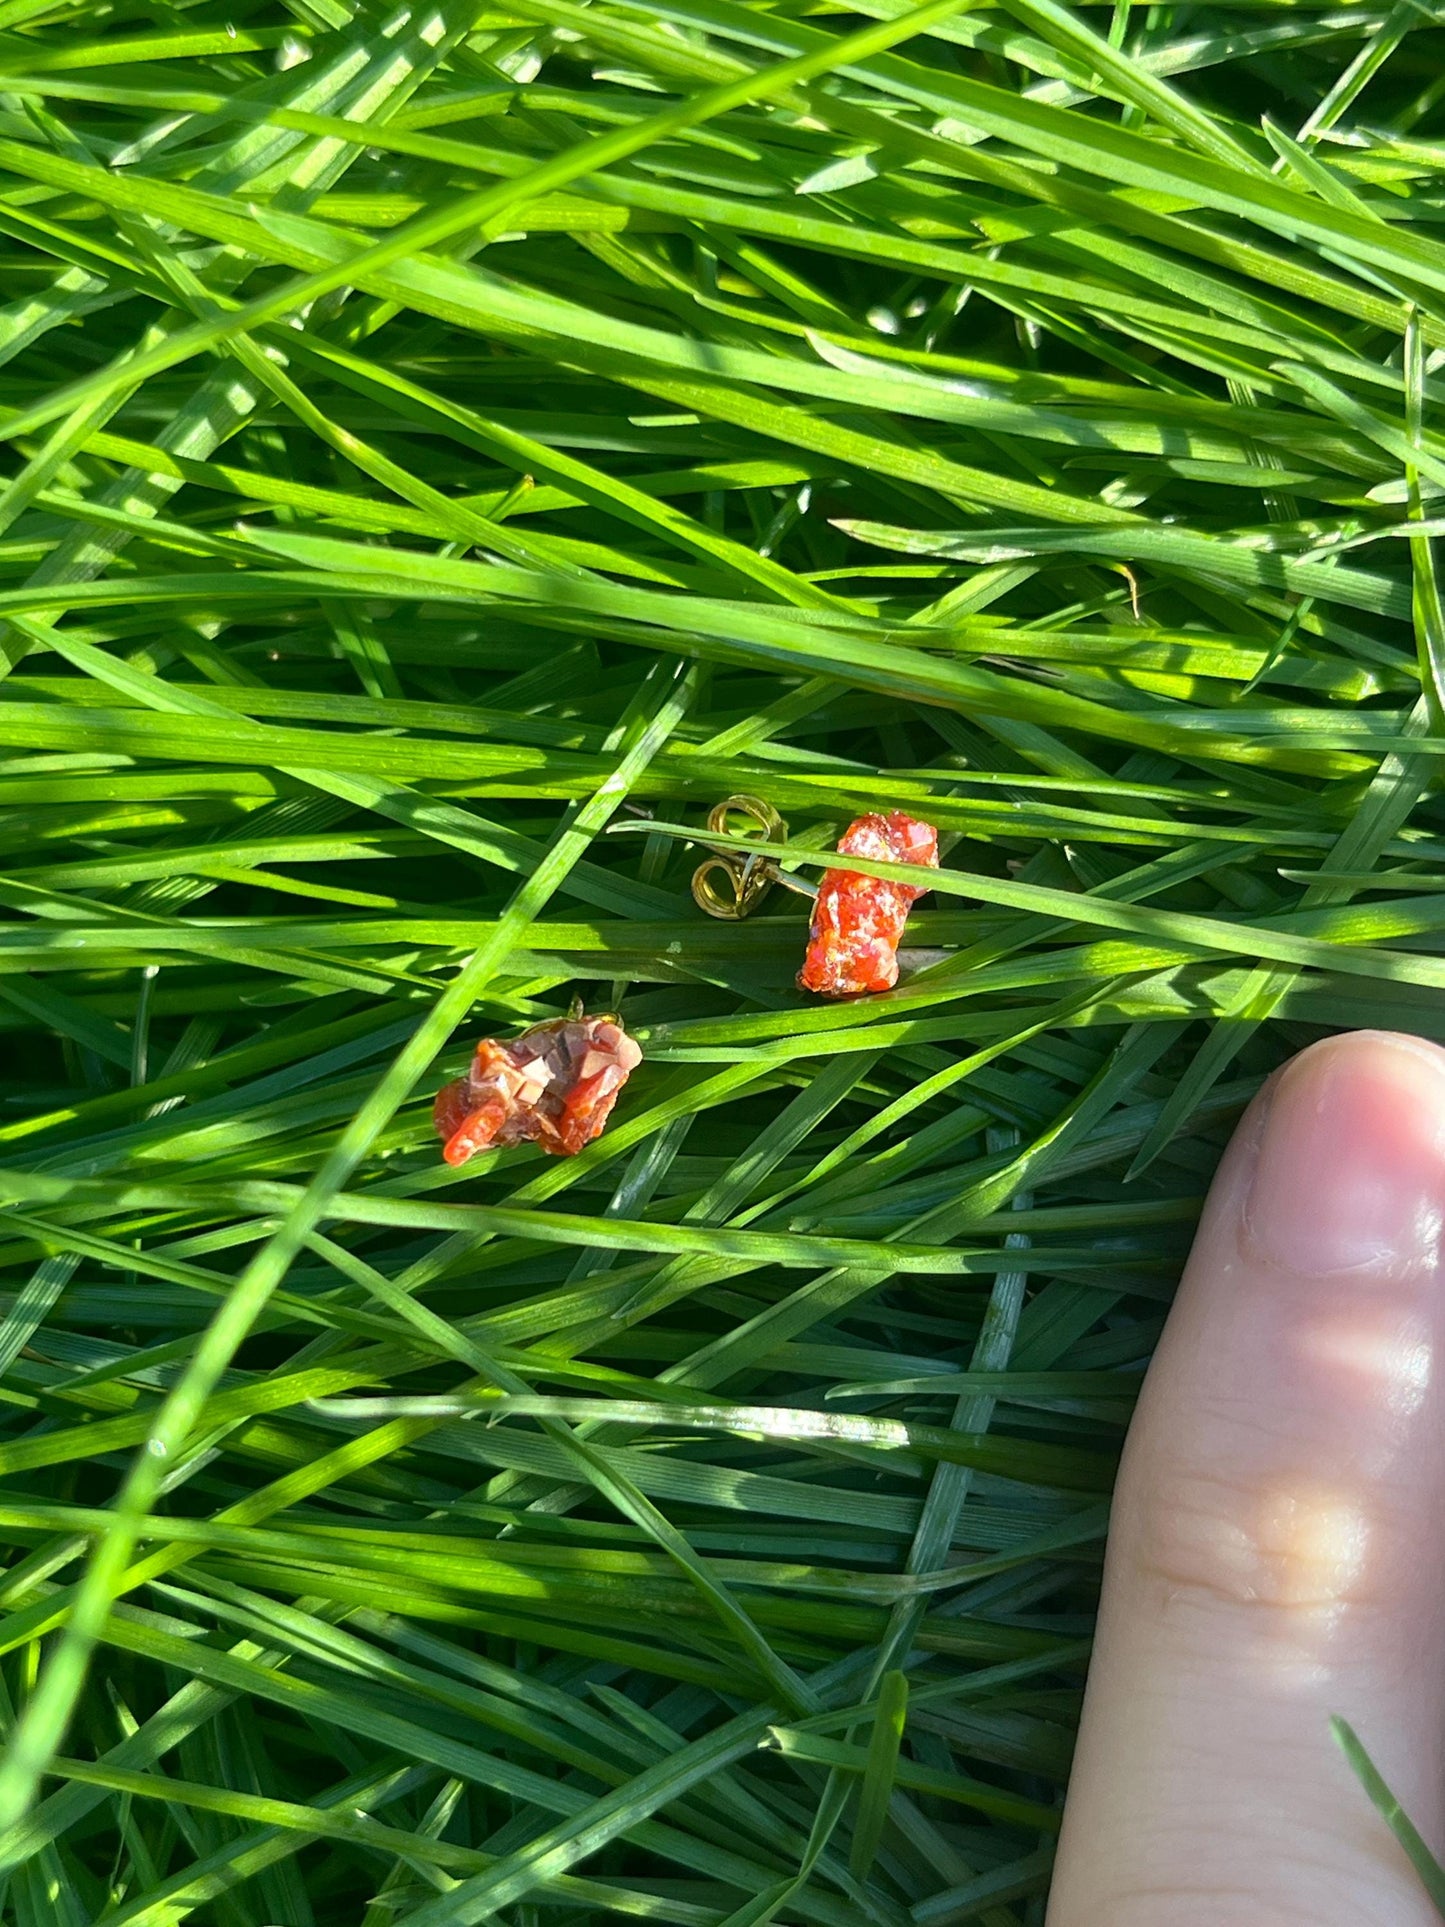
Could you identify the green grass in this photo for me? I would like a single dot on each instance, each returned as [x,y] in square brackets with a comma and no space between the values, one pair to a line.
[446,450]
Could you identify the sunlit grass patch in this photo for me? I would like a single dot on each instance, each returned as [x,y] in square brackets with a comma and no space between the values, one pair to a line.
[446,453]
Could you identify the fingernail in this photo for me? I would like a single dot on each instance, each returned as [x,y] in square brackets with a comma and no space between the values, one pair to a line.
[1350,1170]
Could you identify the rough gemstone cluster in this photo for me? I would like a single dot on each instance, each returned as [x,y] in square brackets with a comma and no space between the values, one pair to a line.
[555,1085]
[858,920]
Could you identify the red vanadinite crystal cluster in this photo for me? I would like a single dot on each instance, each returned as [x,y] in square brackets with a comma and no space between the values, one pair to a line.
[858,920]
[556,1085]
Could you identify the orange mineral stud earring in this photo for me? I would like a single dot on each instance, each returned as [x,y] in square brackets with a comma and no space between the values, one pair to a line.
[555,1085]
[858,920]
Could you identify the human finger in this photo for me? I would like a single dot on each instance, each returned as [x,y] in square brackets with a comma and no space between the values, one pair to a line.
[1276,1552]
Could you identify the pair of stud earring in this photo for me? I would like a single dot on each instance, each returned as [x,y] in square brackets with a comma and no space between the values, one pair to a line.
[556,1084]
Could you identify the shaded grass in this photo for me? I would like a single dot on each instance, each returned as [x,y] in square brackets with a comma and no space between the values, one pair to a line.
[447,451]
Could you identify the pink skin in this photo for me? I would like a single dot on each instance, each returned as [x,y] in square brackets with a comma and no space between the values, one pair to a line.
[1278,1543]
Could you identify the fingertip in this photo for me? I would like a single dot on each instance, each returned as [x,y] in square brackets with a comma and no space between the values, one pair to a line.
[1280,1528]
[1349,1162]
